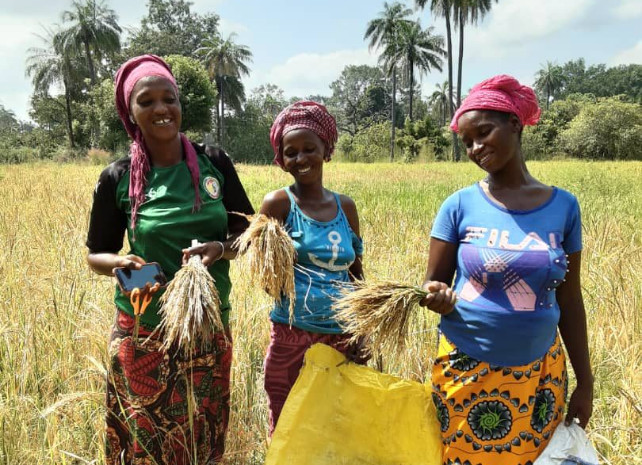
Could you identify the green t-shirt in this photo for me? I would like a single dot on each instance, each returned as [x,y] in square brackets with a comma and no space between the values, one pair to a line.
[166,222]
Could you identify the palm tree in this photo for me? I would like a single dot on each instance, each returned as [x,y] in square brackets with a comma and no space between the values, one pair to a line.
[416,49]
[225,62]
[54,65]
[383,31]
[548,79]
[438,100]
[444,8]
[93,31]
[467,11]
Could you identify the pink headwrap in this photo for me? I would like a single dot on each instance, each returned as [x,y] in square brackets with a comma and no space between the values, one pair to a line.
[303,114]
[127,76]
[501,93]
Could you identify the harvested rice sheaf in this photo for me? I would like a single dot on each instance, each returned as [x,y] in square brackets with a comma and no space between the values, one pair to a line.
[269,256]
[190,308]
[380,311]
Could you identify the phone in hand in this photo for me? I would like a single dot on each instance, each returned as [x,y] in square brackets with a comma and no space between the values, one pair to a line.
[150,273]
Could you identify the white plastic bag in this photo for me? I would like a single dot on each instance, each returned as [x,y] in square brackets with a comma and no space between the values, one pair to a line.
[569,446]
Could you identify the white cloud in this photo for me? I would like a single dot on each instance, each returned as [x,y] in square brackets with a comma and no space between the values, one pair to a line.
[628,9]
[628,56]
[18,37]
[227,27]
[514,23]
[311,73]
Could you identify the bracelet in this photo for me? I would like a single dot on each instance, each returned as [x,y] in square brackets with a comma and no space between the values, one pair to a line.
[222,251]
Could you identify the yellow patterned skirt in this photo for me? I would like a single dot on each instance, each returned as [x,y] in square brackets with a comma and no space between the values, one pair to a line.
[495,415]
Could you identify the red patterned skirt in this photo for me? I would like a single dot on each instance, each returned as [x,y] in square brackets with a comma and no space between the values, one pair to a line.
[151,392]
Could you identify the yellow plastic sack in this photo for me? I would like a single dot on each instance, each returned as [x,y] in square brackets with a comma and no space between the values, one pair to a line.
[350,414]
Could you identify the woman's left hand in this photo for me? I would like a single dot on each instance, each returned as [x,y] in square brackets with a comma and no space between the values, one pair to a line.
[210,252]
[358,352]
[580,405]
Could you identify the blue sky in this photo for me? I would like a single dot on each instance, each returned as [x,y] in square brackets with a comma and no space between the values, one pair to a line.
[303,45]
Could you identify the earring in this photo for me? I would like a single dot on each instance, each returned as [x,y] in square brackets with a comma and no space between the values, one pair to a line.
[131,118]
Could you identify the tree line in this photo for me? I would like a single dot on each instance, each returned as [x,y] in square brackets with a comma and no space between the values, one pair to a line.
[589,111]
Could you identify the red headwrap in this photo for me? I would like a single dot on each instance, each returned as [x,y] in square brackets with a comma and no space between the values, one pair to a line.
[304,114]
[501,93]
[127,76]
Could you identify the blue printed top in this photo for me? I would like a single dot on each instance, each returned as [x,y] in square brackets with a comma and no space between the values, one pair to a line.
[509,263]
[325,252]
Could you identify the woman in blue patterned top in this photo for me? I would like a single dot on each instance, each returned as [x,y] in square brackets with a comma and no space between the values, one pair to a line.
[324,227]
[513,246]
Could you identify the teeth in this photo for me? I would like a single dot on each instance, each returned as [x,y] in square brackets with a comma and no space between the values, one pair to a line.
[304,170]
[162,121]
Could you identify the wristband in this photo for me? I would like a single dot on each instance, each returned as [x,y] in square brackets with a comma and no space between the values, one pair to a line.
[222,251]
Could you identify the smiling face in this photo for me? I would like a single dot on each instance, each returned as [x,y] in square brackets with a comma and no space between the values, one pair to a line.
[303,155]
[491,138]
[155,108]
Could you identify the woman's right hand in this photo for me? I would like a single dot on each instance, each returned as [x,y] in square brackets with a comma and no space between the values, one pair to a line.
[440,299]
[131,262]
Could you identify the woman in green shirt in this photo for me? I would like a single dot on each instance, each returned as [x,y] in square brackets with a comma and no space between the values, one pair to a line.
[166,193]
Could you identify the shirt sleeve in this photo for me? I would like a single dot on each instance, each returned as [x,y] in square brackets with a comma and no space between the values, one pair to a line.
[107,223]
[446,224]
[234,197]
[573,234]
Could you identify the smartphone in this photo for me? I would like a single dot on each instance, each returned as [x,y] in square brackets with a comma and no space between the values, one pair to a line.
[150,273]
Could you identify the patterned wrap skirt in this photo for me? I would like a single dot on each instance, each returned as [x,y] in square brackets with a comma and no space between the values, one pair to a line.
[284,360]
[495,415]
[150,393]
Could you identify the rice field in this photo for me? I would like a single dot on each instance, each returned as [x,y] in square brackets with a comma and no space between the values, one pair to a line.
[55,314]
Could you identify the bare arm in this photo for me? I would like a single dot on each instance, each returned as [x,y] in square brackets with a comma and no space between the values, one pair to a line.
[572,326]
[105,262]
[442,262]
[350,210]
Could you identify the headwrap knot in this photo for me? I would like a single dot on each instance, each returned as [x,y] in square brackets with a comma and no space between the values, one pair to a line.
[501,93]
[304,114]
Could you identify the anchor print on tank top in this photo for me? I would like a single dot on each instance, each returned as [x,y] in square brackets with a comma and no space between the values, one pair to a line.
[335,239]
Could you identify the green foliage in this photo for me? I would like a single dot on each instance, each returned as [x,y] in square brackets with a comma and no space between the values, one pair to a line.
[608,129]
[420,135]
[249,130]
[170,28]
[102,106]
[92,31]
[197,94]
[359,98]
[414,50]
[369,145]
[574,77]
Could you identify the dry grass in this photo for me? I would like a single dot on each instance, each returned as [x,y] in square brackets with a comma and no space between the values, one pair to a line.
[381,312]
[55,314]
[190,309]
[267,253]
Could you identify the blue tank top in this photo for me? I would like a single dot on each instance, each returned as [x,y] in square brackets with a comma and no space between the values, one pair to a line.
[325,252]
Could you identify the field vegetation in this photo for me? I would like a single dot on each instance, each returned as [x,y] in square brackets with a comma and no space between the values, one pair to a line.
[55,314]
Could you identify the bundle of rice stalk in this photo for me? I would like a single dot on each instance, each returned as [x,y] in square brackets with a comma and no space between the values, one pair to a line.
[190,308]
[269,256]
[382,312]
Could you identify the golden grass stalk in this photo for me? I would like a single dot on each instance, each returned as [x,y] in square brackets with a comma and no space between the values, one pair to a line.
[190,308]
[382,312]
[268,255]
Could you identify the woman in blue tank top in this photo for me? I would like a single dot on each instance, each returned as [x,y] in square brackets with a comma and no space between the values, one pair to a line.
[324,227]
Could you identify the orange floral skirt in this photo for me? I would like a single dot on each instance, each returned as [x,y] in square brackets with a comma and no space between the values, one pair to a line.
[495,415]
